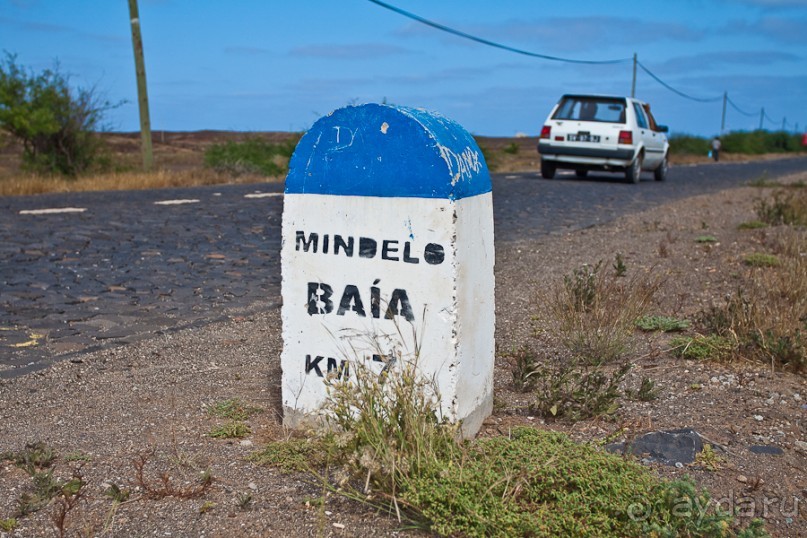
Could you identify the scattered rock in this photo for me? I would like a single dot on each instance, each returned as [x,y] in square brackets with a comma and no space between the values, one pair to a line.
[801,445]
[767,449]
[669,447]
[742,478]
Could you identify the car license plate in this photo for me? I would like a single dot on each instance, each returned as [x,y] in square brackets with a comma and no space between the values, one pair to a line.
[582,137]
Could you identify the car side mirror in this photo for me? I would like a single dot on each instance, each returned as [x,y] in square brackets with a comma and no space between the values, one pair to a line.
[662,129]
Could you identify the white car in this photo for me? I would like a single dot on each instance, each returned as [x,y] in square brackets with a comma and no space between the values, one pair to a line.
[597,132]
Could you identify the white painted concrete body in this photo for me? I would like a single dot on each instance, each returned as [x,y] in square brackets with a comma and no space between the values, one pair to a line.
[452,302]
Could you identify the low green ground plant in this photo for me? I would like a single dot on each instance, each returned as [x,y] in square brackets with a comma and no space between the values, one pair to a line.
[703,347]
[290,455]
[234,429]
[752,225]
[664,324]
[232,409]
[707,239]
[760,259]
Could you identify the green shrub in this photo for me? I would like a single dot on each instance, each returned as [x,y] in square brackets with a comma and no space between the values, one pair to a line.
[55,124]
[689,145]
[511,148]
[252,156]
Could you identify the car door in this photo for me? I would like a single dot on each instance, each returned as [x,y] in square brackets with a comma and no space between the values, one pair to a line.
[652,142]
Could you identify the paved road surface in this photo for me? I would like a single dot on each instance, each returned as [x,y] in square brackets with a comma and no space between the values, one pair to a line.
[114,267]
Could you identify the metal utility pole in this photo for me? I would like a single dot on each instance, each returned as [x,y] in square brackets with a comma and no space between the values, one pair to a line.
[142,95]
[633,84]
[723,121]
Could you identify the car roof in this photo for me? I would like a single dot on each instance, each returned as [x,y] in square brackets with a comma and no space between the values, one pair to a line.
[595,96]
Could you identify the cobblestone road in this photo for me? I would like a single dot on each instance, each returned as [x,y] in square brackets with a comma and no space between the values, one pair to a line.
[103,269]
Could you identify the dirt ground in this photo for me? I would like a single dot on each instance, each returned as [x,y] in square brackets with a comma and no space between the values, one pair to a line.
[137,417]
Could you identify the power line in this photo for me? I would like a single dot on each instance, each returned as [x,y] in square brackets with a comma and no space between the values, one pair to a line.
[738,109]
[483,41]
[682,94]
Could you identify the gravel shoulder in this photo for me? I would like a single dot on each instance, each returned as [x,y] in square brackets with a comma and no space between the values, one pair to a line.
[148,402]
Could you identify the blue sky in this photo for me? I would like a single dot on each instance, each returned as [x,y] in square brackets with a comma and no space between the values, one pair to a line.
[276,66]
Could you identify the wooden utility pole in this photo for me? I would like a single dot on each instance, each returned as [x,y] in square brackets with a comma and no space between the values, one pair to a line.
[633,84]
[723,121]
[142,95]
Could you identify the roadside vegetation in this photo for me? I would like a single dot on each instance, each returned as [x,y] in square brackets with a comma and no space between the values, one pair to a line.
[388,447]
[758,142]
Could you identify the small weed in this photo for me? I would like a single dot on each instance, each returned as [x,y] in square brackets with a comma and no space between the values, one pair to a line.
[77,456]
[233,409]
[523,364]
[511,148]
[116,494]
[290,455]
[759,259]
[706,239]
[576,390]
[708,458]
[581,286]
[231,430]
[620,269]
[165,486]
[662,324]
[702,348]
[206,507]
[33,457]
[695,386]
[647,391]
[244,501]
[752,225]
[8,524]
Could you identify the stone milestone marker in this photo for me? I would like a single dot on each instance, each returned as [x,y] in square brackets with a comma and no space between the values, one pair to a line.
[388,249]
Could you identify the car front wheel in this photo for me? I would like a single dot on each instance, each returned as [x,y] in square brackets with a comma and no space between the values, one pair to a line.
[634,172]
[660,173]
[547,170]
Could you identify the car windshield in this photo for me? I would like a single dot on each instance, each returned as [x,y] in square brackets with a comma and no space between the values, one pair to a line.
[591,109]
